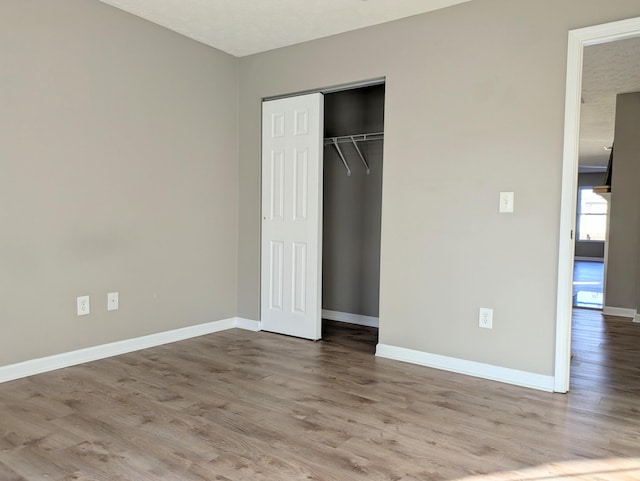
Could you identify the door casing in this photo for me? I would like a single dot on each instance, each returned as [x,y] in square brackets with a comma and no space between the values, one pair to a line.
[578,40]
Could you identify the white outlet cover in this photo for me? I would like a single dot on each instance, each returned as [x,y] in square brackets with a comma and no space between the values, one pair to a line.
[112,301]
[83,305]
[485,318]
[506,202]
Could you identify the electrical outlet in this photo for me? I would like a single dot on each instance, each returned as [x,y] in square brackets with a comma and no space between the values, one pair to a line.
[506,202]
[112,301]
[485,318]
[83,305]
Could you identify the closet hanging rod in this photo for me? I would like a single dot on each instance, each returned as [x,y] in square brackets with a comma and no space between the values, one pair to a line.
[354,138]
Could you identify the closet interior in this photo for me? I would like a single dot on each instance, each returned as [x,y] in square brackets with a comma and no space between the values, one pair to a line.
[353,148]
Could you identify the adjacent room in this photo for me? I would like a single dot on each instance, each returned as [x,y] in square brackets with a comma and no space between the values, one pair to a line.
[317,240]
[611,74]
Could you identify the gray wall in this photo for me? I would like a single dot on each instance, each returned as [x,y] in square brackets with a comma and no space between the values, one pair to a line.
[118,172]
[121,172]
[589,248]
[474,100]
[351,227]
[623,273]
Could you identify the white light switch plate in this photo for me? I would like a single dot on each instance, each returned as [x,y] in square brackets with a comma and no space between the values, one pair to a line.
[485,318]
[83,305]
[506,202]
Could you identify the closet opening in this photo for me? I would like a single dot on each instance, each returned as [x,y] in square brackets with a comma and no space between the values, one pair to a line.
[352,202]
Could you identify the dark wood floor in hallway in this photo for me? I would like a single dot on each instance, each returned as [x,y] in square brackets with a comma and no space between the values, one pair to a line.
[239,405]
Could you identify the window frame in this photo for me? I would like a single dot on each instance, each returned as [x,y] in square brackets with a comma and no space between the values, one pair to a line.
[579,214]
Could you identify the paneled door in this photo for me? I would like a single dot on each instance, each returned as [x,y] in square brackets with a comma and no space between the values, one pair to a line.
[291,265]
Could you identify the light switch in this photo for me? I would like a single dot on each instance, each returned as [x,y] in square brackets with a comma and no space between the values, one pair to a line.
[506,202]
[83,305]
[485,318]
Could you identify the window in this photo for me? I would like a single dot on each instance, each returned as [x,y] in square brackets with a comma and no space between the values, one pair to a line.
[592,215]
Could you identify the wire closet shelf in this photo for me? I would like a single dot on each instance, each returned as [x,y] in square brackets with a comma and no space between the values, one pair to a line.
[353,139]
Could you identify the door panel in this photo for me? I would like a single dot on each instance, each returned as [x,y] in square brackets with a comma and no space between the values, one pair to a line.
[276,264]
[291,277]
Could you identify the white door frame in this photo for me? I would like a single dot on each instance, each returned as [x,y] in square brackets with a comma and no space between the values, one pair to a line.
[578,40]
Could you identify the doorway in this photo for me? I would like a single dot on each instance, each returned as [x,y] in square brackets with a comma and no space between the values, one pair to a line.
[591,233]
[578,40]
[297,291]
[352,203]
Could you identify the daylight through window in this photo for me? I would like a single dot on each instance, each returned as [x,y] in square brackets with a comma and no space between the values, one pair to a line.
[592,216]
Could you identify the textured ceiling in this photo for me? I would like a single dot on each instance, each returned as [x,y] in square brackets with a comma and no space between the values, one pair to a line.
[608,69]
[244,27]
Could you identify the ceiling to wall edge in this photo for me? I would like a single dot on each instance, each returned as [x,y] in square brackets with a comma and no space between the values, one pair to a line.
[246,27]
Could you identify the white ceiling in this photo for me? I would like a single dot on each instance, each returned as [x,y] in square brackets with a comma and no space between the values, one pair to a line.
[244,27]
[608,69]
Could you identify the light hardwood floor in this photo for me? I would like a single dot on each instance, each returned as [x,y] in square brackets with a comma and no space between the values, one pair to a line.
[239,405]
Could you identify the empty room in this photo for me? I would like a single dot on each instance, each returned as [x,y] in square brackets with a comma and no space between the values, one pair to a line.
[284,240]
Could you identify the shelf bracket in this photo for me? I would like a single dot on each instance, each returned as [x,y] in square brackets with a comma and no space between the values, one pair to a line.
[366,166]
[334,141]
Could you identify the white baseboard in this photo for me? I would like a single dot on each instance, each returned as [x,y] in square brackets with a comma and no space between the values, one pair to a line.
[350,318]
[470,368]
[248,324]
[637,318]
[67,359]
[619,312]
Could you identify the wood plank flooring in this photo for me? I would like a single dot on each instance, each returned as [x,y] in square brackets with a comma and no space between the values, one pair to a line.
[239,405]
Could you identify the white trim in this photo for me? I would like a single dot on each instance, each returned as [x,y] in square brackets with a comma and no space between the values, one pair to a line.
[578,39]
[66,359]
[248,324]
[350,318]
[470,368]
[637,318]
[332,89]
[619,312]
[589,259]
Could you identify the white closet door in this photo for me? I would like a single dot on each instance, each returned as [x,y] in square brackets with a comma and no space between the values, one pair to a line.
[291,275]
